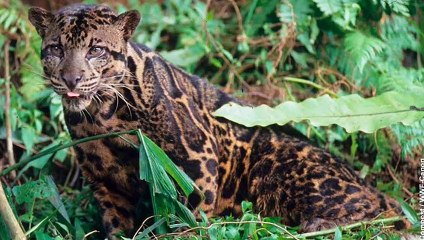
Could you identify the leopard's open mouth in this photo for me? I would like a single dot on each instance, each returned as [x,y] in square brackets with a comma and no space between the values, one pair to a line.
[76,96]
[73,95]
[76,102]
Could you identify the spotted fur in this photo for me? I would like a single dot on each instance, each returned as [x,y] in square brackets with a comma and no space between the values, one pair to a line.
[121,86]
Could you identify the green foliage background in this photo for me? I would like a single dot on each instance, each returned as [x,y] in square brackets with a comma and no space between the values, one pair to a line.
[264,51]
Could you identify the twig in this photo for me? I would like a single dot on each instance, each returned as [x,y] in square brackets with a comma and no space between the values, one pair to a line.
[142,225]
[239,18]
[393,176]
[9,218]
[299,80]
[90,233]
[9,140]
[75,178]
[347,227]
[71,170]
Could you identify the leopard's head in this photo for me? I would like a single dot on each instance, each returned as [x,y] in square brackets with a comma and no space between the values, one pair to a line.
[84,50]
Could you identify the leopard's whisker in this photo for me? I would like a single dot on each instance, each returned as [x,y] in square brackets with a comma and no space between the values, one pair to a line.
[88,113]
[129,73]
[96,96]
[120,96]
[96,101]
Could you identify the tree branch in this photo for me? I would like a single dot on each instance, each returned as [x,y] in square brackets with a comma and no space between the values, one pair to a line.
[9,218]
[9,140]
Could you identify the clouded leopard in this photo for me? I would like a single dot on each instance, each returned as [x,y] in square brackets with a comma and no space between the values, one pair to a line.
[109,83]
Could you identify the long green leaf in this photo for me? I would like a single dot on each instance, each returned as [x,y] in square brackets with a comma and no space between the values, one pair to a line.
[185,214]
[162,207]
[155,166]
[410,213]
[40,224]
[184,181]
[55,199]
[152,172]
[352,112]
[52,150]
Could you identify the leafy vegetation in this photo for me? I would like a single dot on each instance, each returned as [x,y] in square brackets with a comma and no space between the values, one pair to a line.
[263,51]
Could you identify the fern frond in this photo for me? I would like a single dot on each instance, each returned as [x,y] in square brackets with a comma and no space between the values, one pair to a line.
[397,6]
[362,48]
[409,137]
[329,7]
[398,32]
[386,76]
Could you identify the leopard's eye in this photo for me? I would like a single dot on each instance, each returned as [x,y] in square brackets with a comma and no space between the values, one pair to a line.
[95,52]
[55,50]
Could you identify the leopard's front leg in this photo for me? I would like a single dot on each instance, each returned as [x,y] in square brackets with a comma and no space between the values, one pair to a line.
[118,210]
[116,187]
[203,170]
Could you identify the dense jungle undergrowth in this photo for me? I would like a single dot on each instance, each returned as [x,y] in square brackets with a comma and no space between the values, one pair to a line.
[263,51]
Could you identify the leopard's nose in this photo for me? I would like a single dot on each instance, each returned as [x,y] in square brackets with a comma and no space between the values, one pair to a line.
[71,80]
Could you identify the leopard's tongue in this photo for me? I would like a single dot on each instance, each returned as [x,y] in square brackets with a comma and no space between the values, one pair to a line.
[72,94]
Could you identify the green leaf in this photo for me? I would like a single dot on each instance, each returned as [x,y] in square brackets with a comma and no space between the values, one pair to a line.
[213,232]
[305,40]
[28,136]
[154,167]
[362,48]
[185,214]
[351,112]
[40,235]
[300,58]
[184,57]
[4,230]
[79,231]
[32,190]
[329,7]
[338,234]
[347,18]
[55,199]
[249,229]
[285,13]
[10,19]
[63,226]
[397,6]
[40,162]
[181,178]
[232,233]
[246,206]
[410,213]
[152,172]
[39,225]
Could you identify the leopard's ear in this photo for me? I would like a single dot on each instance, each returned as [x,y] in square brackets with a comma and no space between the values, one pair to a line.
[127,22]
[41,19]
